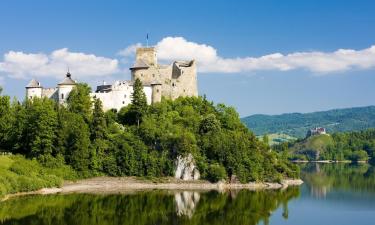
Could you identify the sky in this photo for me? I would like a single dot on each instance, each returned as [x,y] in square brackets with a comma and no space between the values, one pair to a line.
[263,56]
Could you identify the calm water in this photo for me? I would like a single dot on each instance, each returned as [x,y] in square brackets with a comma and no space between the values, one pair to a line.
[332,194]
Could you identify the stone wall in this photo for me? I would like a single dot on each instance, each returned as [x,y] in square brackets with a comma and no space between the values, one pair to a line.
[177,79]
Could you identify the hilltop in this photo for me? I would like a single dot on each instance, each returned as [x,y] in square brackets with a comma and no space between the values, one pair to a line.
[297,124]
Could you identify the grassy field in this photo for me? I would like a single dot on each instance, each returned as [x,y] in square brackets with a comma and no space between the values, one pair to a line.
[278,138]
[18,174]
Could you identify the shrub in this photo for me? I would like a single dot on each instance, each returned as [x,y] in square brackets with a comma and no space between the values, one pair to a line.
[216,172]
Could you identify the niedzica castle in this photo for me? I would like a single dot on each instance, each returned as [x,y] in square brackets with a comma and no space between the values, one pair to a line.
[169,81]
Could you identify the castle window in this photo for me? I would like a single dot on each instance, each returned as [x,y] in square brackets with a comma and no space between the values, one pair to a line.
[153,75]
[157,91]
[173,84]
[62,96]
[123,102]
[124,96]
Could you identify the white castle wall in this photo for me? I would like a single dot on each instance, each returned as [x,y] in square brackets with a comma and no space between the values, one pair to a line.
[63,93]
[120,95]
[33,92]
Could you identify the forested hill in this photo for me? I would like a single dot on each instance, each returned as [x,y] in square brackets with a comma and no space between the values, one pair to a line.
[297,124]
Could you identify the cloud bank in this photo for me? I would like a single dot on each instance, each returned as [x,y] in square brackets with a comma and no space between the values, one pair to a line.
[209,61]
[17,64]
[25,65]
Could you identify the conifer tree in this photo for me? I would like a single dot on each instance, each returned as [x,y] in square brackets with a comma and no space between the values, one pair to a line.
[139,101]
[98,128]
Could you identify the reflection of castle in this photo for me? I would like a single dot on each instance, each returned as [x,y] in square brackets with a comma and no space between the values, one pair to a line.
[169,81]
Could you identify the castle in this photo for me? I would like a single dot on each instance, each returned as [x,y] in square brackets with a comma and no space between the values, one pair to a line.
[169,81]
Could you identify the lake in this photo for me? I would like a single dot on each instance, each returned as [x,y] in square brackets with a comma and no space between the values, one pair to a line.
[332,194]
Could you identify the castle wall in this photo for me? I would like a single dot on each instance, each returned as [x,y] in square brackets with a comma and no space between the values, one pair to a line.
[148,55]
[63,93]
[120,96]
[184,81]
[177,79]
[33,92]
[51,93]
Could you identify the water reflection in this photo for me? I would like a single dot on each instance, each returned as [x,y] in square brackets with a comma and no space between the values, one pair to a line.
[186,202]
[157,207]
[322,179]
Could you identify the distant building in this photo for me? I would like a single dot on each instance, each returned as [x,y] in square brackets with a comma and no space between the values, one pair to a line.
[316,131]
[169,81]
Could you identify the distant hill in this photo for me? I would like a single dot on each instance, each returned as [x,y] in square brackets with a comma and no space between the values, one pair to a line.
[297,124]
[312,146]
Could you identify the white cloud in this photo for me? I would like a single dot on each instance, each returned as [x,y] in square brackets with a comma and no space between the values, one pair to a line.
[26,65]
[178,48]
[130,50]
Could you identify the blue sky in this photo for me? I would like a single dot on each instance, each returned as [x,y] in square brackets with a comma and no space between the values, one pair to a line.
[37,36]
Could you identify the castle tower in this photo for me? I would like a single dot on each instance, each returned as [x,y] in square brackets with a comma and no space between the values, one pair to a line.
[64,88]
[33,89]
[147,55]
[156,92]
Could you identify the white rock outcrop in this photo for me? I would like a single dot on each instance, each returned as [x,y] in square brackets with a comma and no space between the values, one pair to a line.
[186,168]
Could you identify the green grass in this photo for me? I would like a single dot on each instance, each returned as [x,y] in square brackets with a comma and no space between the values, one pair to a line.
[5,162]
[18,174]
[278,138]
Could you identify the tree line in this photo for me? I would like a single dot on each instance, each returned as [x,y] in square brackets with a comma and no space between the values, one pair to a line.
[140,139]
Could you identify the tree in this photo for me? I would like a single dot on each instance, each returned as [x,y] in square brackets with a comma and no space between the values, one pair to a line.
[79,101]
[99,126]
[5,121]
[98,137]
[209,124]
[77,143]
[40,127]
[139,102]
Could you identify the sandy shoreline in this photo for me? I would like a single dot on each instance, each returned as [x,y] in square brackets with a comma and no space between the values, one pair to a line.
[103,185]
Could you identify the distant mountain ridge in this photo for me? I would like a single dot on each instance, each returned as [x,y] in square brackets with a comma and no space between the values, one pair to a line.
[297,124]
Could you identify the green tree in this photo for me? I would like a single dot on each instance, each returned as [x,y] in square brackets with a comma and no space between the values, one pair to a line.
[79,101]
[6,120]
[139,105]
[209,124]
[40,127]
[76,142]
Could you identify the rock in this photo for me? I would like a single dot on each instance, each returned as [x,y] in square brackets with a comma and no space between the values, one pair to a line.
[234,179]
[186,168]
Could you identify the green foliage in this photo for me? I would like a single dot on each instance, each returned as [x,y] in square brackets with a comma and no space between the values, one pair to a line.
[297,124]
[138,107]
[216,173]
[354,146]
[140,140]
[79,101]
[21,174]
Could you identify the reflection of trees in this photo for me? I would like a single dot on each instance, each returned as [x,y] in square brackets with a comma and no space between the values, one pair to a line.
[321,178]
[245,207]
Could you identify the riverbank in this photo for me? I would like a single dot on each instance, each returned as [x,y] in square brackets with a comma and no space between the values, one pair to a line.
[327,161]
[108,185]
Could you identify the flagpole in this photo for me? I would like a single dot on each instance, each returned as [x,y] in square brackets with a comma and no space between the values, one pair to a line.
[147,40]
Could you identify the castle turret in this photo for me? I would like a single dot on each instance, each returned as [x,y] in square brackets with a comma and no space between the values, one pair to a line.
[156,92]
[147,55]
[33,90]
[65,87]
